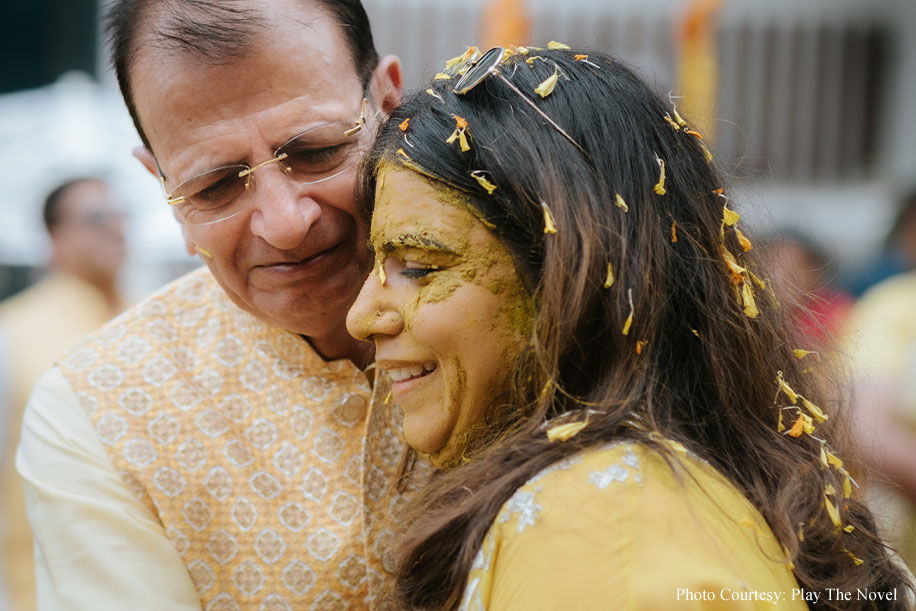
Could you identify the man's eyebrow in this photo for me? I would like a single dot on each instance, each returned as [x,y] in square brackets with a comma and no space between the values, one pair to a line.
[413,240]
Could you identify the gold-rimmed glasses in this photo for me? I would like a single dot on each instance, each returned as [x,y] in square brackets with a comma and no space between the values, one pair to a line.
[488,65]
[318,154]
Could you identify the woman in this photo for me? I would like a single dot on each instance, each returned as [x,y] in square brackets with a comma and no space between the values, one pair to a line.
[580,340]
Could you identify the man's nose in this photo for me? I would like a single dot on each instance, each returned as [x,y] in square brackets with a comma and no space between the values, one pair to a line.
[373,314]
[281,214]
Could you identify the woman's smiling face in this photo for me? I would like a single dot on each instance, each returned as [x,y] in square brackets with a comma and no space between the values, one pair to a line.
[445,307]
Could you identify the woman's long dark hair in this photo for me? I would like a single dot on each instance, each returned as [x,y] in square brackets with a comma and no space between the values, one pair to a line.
[695,363]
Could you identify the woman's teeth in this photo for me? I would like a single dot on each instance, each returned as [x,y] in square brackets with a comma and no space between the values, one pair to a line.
[414,371]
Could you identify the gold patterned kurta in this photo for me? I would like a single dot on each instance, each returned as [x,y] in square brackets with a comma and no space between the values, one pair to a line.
[257,457]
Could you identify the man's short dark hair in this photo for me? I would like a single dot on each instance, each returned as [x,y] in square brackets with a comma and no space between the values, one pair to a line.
[50,212]
[215,31]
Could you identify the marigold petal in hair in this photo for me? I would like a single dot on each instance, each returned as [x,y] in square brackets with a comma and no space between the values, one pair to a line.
[549,225]
[659,187]
[481,178]
[609,277]
[461,133]
[547,85]
[557,46]
[620,203]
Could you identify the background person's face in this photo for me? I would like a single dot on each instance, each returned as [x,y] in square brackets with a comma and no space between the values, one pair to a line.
[451,316]
[296,256]
[89,238]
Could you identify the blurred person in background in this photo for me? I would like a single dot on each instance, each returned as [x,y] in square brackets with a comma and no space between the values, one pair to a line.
[898,254]
[219,445]
[78,294]
[804,273]
[880,342]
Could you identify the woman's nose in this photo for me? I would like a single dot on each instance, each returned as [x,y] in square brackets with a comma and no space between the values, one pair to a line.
[373,313]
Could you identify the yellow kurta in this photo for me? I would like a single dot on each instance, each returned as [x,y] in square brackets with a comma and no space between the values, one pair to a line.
[261,466]
[615,528]
[36,326]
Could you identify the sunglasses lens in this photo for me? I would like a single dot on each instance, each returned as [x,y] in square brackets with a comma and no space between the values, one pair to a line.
[480,70]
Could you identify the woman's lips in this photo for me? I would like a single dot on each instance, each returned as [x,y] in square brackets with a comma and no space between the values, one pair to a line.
[406,377]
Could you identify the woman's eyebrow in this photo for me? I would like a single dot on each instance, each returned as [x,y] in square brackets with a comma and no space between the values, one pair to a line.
[413,240]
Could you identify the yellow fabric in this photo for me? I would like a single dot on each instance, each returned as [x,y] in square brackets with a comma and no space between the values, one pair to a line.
[615,528]
[880,343]
[248,448]
[36,326]
[98,547]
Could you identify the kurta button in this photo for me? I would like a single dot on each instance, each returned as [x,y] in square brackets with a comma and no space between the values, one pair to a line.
[352,410]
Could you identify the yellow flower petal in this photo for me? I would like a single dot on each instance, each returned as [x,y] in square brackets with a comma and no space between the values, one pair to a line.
[849,528]
[780,427]
[694,133]
[750,306]
[814,410]
[547,86]
[674,232]
[563,432]
[388,397]
[800,354]
[745,243]
[801,532]
[609,278]
[549,226]
[659,187]
[382,278]
[442,76]
[829,489]
[402,154]
[404,124]
[847,488]
[203,251]
[618,201]
[629,320]
[785,388]
[833,512]
[463,141]
[797,428]
[481,178]
[823,456]
[555,46]
[640,345]
[672,122]
[730,217]
[679,118]
[579,57]
[434,94]
[835,462]
[855,560]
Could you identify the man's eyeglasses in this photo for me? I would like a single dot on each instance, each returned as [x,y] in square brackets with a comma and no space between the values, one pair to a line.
[320,153]
[487,65]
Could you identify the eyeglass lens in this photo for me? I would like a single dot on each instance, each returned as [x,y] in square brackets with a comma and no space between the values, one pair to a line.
[315,155]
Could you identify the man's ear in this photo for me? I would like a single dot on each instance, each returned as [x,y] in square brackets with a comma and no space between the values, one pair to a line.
[146,158]
[387,83]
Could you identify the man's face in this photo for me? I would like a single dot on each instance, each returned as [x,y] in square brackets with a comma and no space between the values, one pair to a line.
[296,255]
[89,237]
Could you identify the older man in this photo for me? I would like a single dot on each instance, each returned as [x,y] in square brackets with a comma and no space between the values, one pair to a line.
[215,446]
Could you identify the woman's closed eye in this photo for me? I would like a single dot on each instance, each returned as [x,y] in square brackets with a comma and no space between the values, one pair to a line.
[416,271]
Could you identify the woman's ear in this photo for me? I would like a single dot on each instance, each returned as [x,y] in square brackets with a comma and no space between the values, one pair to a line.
[386,86]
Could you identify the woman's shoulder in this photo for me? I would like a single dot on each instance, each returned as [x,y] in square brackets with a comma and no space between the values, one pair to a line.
[630,522]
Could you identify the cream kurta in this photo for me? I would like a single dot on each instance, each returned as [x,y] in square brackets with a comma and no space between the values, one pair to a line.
[236,465]
[616,528]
